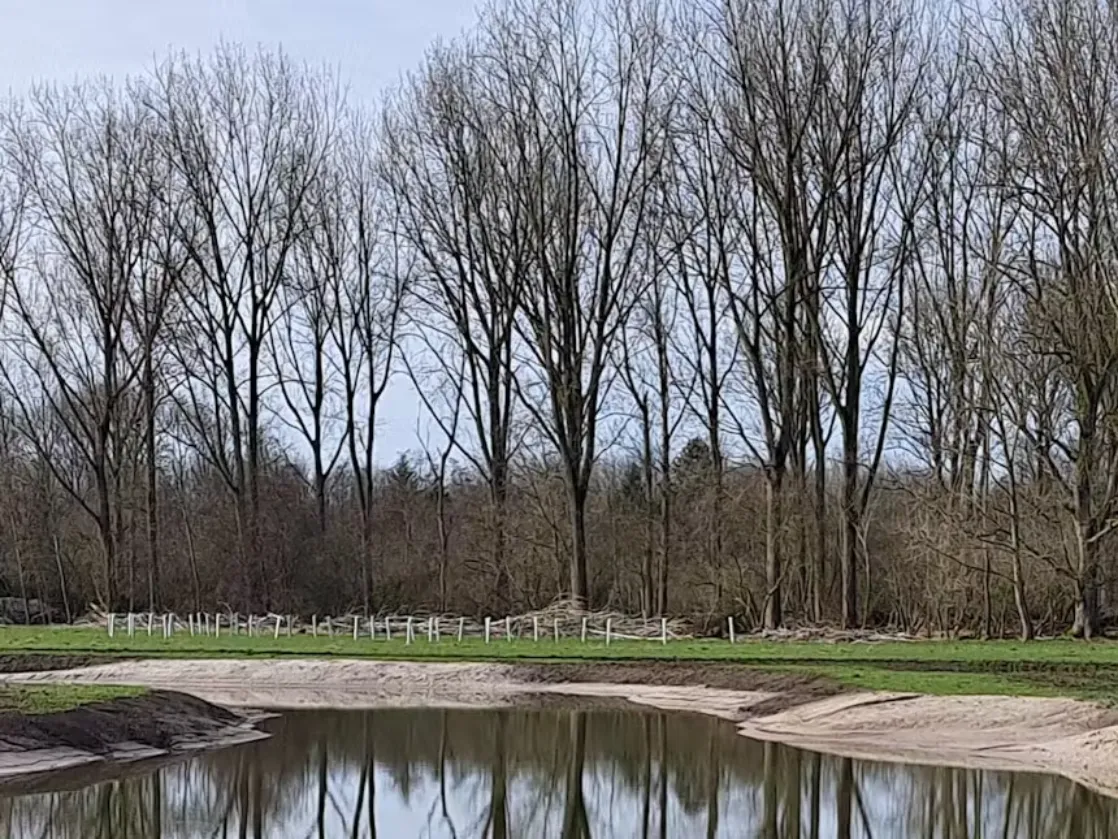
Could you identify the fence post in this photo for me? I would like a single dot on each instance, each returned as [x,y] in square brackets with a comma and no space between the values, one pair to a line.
[730,621]
[355,620]
[314,625]
[408,631]
[151,617]
[290,625]
[461,628]
[372,629]
[430,630]
[436,630]
[584,630]
[387,628]
[609,628]
[279,620]
[536,629]
[508,629]
[111,616]
[217,624]
[556,629]
[663,630]
[487,630]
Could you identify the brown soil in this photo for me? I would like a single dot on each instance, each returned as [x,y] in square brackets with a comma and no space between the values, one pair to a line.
[160,724]
[788,689]
[40,662]
[155,719]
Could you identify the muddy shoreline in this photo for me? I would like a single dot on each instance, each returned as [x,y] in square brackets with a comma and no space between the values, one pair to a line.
[1075,739]
[157,725]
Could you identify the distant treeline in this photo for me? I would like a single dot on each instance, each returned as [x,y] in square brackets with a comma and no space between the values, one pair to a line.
[801,312]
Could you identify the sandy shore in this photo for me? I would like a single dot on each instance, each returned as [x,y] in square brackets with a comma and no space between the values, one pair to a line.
[1075,739]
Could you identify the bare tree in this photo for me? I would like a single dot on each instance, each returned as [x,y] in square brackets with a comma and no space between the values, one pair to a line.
[84,157]
[1053,74]
[594,107]
[459,173]
[302,347]
[247,135]
[645,349]
[152,313]
[866,155]
[372,271]
[769,116]
[438,462]
[702,189]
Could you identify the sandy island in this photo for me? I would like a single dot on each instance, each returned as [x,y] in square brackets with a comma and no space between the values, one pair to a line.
[1078,740]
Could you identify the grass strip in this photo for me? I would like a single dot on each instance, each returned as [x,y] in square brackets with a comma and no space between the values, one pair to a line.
[51,699]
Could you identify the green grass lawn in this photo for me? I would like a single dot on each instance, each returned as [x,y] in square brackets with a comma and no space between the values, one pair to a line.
[1041,668]
[69,640]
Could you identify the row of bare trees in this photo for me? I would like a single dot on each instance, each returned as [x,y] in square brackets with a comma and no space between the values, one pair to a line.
[799,311]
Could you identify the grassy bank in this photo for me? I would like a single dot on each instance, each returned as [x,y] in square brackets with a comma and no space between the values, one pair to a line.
[1042,668]
[50,699]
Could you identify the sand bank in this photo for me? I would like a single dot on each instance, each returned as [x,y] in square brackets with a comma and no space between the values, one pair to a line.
[1078,740]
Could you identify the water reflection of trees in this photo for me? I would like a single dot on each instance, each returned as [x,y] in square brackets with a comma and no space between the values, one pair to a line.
[573,775]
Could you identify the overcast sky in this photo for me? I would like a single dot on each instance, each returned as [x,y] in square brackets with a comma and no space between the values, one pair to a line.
[369,42]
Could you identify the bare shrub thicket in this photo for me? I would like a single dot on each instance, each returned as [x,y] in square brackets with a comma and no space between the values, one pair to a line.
[801,312]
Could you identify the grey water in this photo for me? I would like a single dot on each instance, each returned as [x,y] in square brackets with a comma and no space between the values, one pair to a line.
[569,774]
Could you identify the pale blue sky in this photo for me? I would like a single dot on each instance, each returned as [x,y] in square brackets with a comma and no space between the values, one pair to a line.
[369,43]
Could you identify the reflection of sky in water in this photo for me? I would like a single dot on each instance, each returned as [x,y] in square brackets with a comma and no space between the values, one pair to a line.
[307,781]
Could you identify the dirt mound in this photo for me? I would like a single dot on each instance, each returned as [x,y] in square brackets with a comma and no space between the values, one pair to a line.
[156,724]
[39,662]
[155,719]
[785,690]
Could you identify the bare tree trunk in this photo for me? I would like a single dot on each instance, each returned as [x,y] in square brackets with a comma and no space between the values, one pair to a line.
[819,509]
[580,581]
[774,491]
[151,482]
[499,496]
[61,580]
[849,548]
[22,580]
[192,559]
[649,490]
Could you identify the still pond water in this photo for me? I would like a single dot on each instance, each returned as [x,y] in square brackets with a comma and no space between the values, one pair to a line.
[546,773]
